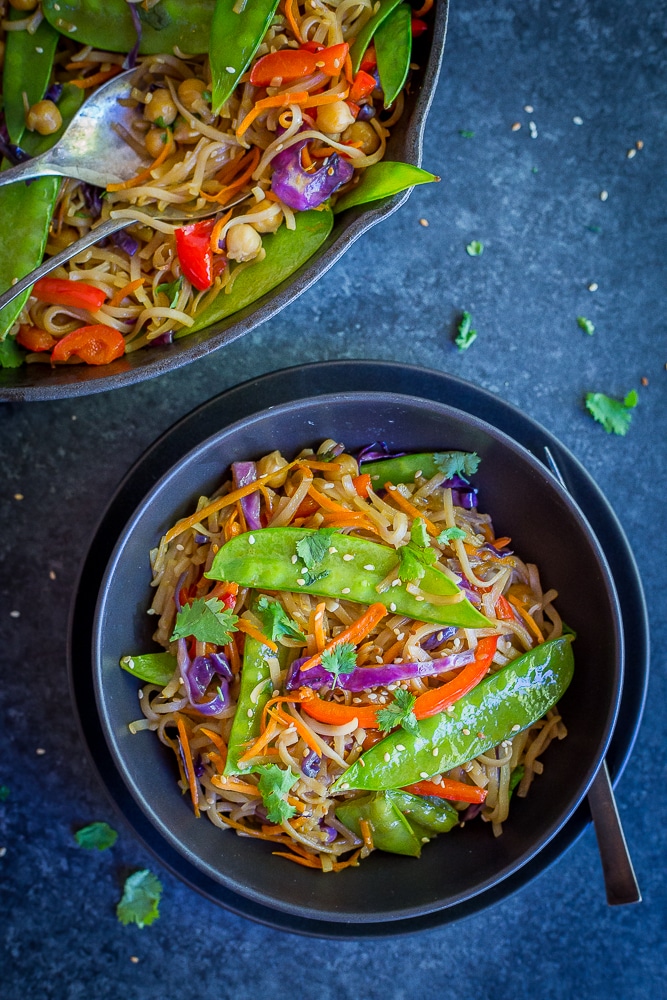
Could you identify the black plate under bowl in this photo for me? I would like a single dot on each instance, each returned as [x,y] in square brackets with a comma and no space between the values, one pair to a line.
[293,384]
[40,381]
[546,527]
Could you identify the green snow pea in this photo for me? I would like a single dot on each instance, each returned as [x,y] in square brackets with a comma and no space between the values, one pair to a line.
[255,670]
[393,47]
[436,815]
[500,706]
[154,668]
[381,180]
[107,24]
[27,69]
[400,470]
[391,830]
[266,563]
[25,214]
[363,39]
[286,250]
[235,37]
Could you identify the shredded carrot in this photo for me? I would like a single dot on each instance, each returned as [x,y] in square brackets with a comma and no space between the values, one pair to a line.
[366,833]
[232,654]
[347,68]
[312,463]
[81,64]
[123,292]
[333,505]
[348,521]
[248,830]
[317,625]
[306,161]
[146,175]
[424,9]
[304,694]
[528,618]
[258,745]
[291,8]
[217,741]
[223,590]
[351,862]
[215,232]
[232,785]
[231,525]
[84,82]
[241,516]
[189,766]
[393,651]
[297,860]
[317,100]
[249,162]
[354,633]
[277,101]
[301,729]
[410,508]
[243,625]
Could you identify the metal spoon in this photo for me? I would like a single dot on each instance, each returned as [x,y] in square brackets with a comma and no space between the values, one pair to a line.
[619,876]
[90,149]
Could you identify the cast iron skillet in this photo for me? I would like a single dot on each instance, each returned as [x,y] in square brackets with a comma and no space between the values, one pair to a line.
[38,381]
[546,527]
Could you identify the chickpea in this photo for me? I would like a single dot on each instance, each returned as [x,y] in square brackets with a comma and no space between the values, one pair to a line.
[43,117]
[155,141]
[184,134]
[191,95]
[23,4]
[334,118]
[243,242]
[273,218]
[161,108]
[365,134]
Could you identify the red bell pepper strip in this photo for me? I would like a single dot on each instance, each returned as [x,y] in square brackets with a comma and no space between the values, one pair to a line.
[438,699]
[63,292]
[455,791]
[335,714]
[312,46]
[363,85]
[96,345]
[418,27]
[331,60]
[193,246]
[289,65]
[34,339]
[369,60]
[504,610]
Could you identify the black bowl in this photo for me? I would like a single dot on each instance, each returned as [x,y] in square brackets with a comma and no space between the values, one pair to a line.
[546,526]
[40,381]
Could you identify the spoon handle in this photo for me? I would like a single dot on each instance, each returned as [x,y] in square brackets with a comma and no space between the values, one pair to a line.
[36,166]
[106,228]
[620,880]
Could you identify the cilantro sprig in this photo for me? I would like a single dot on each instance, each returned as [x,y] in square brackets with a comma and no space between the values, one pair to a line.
[205,620]
[449,534]
[475,248]
[98,836]
[585,325]
[342,659]
[312,549]
[276,623]
[274,785]
[466,335]
[457,463]
[613,414]
[141,899]
[417,554]
[399,713]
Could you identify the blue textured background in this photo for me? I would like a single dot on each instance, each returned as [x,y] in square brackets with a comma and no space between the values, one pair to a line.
[396,295]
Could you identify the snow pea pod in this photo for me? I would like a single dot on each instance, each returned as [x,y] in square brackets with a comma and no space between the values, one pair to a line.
[25,214]
[286,250]
[155,668]
[27,69]
[363,39]
[246,727]
[108,25]
[382,180]
[500,706]
[435,815]
[400,470]
[235,37]
[390,828]
[266,563]
[393,47]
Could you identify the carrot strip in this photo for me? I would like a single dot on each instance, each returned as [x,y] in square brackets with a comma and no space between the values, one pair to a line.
[189,766]
[217,741]
[303,695]
[393,651]
[248,830]
[291,16]
[232,785]
[348,521]
[297,860]
[448,788]
[354,633]
[301,729]
[84,82]
[424,9]
[249,161]
[528,618]
[145,175]
[215,232]
[277,101]
[501,543]
[256,748]
[351,862]
[335,714]
[317,625]
[123,292]
[333,505]
[366,833]
[243,625]
[327,97]
[410,508]
[312,463]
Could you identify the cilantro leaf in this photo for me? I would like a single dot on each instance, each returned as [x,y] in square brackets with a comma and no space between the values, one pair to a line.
[11,355]
[475,248]
[275,620]
[457,463]
[342,659]
[466,335]
[96,835]
[206,620]
[613,414]
[399,712]
[449,534]
[274,785]
[586,325]
[312,549]
[141,899]
[172,289]
[4,793]
[418,532]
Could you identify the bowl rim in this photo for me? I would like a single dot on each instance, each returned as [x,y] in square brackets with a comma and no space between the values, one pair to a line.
[190,458]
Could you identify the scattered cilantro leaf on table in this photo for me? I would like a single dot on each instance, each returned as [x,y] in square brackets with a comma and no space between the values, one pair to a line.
[613,414]
[475,248]
[275,620]
[465,133]
[586,325]
[312,549]
[449,534]
[141,899]
[274,784]
[206,620]
[466,335]
[342,659]
[96,835]
[457,463]
[399,712]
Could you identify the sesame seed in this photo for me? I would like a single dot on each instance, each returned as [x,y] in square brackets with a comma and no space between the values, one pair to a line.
[295,559]
[387,758]
[644,380]
[399,659]
[301,582]
[418,473]
[390,487]
[399,746]
[631,153]
[419,598]
[392,607]
[141,694]
[18,496]
[604,195]
[362,762]
[130,662]
[396,583]
[424,840]
[150,611]
[348,557]
[577,120]
[230,69]
[593,287]
[436,751]
[370,567]
[424,223]
[423,774]
[466,732]
[179,547]
[515,729]
[250,713]
[39,49]
[3,851]
[528,108]
[516,126]
[134,959]
[14,614]
[251,540]
[40,751]
[329,486]
[378,659]
[345,785]
[639,144]
[345,590]
[356,701]
[52,576]
[332,550]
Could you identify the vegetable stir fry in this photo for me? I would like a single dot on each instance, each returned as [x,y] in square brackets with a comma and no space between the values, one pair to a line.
[352,660]
[271,113]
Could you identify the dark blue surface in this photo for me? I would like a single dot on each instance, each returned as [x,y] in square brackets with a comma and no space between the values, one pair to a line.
[396,295]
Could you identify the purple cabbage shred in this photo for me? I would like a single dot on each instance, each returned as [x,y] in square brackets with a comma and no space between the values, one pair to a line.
[244,473]
[310,765]
[53,93]
[302,189]
[377,451]
[363,678]
[165,338]
[131,58]
[125,242]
